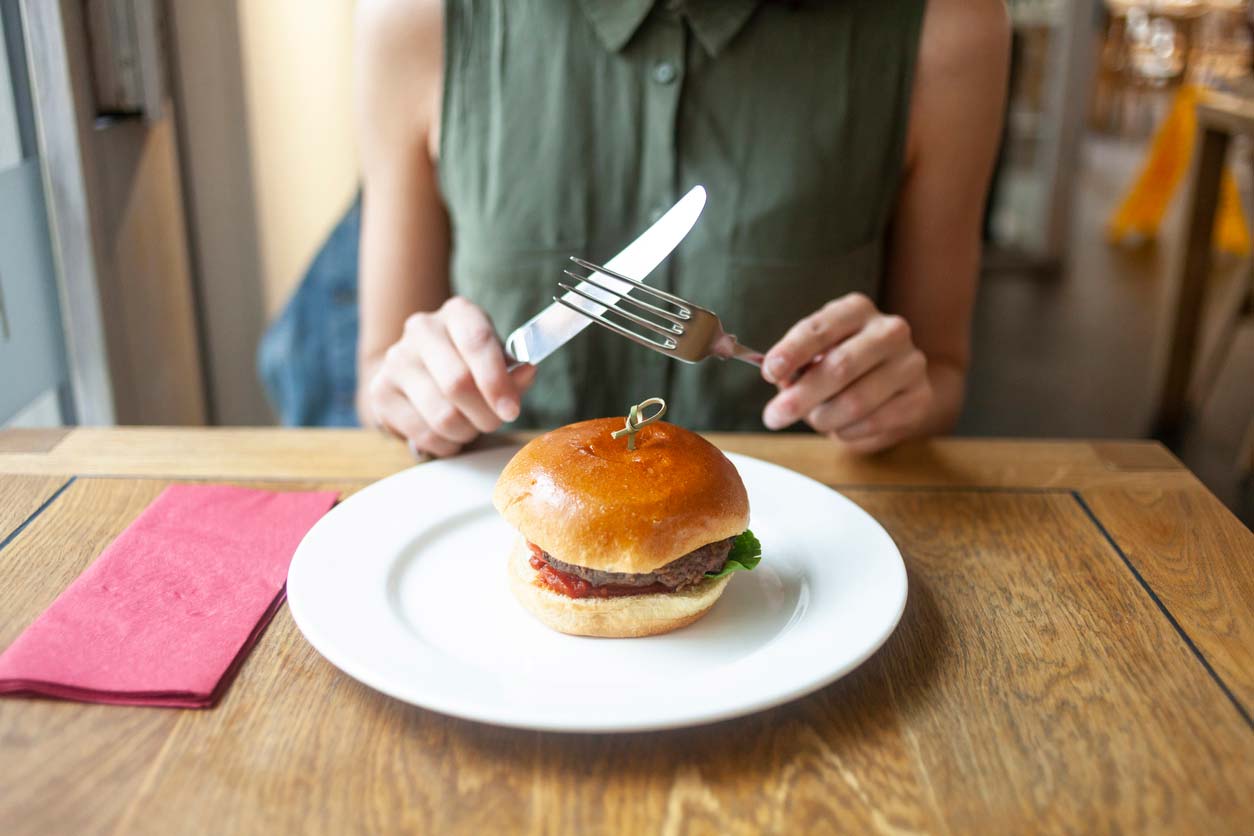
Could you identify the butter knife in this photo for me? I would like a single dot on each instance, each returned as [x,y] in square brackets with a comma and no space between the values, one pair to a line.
[554,326]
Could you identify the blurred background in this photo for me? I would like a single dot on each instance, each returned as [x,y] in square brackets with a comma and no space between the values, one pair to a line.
[171,170]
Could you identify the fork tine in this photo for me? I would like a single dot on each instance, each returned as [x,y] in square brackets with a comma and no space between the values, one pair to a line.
[639,320]
[640,303]
[682,304]
[665,348]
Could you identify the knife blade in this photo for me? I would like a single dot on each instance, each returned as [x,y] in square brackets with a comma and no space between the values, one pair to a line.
[554,326]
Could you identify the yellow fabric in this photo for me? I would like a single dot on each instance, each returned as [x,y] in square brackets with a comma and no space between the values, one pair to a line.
[1232,233]
[1141,212]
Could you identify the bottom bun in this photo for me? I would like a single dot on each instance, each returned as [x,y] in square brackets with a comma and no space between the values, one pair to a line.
[629,616]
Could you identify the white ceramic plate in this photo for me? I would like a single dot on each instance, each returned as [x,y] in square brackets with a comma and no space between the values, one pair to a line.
[403,586]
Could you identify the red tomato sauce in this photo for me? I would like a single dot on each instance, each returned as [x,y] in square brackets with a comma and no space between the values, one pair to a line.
[575,587]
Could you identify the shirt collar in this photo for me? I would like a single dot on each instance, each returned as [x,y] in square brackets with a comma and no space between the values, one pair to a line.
[714,22]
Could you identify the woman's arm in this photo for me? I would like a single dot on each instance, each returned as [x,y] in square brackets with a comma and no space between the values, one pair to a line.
[886,376]
[403,265]
[956,121]
[430,367]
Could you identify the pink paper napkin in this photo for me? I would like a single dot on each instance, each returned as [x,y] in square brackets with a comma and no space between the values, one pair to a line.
[166,615]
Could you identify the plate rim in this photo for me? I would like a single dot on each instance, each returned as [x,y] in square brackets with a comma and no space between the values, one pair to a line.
[330,648]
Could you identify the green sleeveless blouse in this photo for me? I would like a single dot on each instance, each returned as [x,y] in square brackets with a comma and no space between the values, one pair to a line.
[568,127]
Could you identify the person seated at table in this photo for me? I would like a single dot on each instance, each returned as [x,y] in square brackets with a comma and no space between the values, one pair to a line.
[846,146]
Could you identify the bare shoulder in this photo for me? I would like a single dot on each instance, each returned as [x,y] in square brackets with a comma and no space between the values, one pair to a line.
[399,57]
[960,81]
[400,27]
[964,38]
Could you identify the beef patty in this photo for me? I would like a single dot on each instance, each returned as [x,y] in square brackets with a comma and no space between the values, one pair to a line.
[677,574]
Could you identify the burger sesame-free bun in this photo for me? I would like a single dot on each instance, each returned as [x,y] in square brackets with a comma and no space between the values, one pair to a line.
[630,616]
[583,497]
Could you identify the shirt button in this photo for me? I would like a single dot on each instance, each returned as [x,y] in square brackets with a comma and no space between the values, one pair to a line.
[664,72]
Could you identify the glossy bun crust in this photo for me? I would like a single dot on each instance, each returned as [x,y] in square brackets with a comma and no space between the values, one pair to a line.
[580,495]
[628,617]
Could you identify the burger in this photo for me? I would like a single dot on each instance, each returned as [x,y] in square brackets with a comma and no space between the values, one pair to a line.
[620,542]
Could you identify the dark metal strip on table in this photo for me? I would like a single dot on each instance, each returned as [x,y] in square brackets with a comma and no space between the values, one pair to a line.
[1162,607]
[30,519]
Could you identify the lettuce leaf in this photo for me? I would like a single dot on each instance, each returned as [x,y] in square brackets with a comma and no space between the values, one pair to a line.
[745,554]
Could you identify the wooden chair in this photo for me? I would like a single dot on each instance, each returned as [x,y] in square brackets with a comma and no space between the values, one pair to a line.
[1238,310]
[1221,117]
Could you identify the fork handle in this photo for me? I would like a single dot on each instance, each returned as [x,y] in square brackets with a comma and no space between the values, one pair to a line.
[745,354]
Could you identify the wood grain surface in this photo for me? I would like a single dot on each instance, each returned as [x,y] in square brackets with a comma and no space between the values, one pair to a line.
[1034,684]
[217,453]
[22,496]
[31,439]
[68,767]
[271,453]
[1199,561]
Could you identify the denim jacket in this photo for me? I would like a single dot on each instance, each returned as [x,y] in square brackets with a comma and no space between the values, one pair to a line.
[307,358]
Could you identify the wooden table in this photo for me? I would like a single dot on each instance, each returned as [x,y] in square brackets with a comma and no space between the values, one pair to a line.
[1220,118]
[1077,654]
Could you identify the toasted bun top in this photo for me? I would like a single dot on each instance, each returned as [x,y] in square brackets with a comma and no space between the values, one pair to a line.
[580,495]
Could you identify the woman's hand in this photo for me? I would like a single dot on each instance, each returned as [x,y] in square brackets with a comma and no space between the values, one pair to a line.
[866,380]
[444,382]
[862,380]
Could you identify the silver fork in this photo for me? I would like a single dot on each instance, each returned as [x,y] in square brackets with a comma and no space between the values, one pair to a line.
[685,331]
